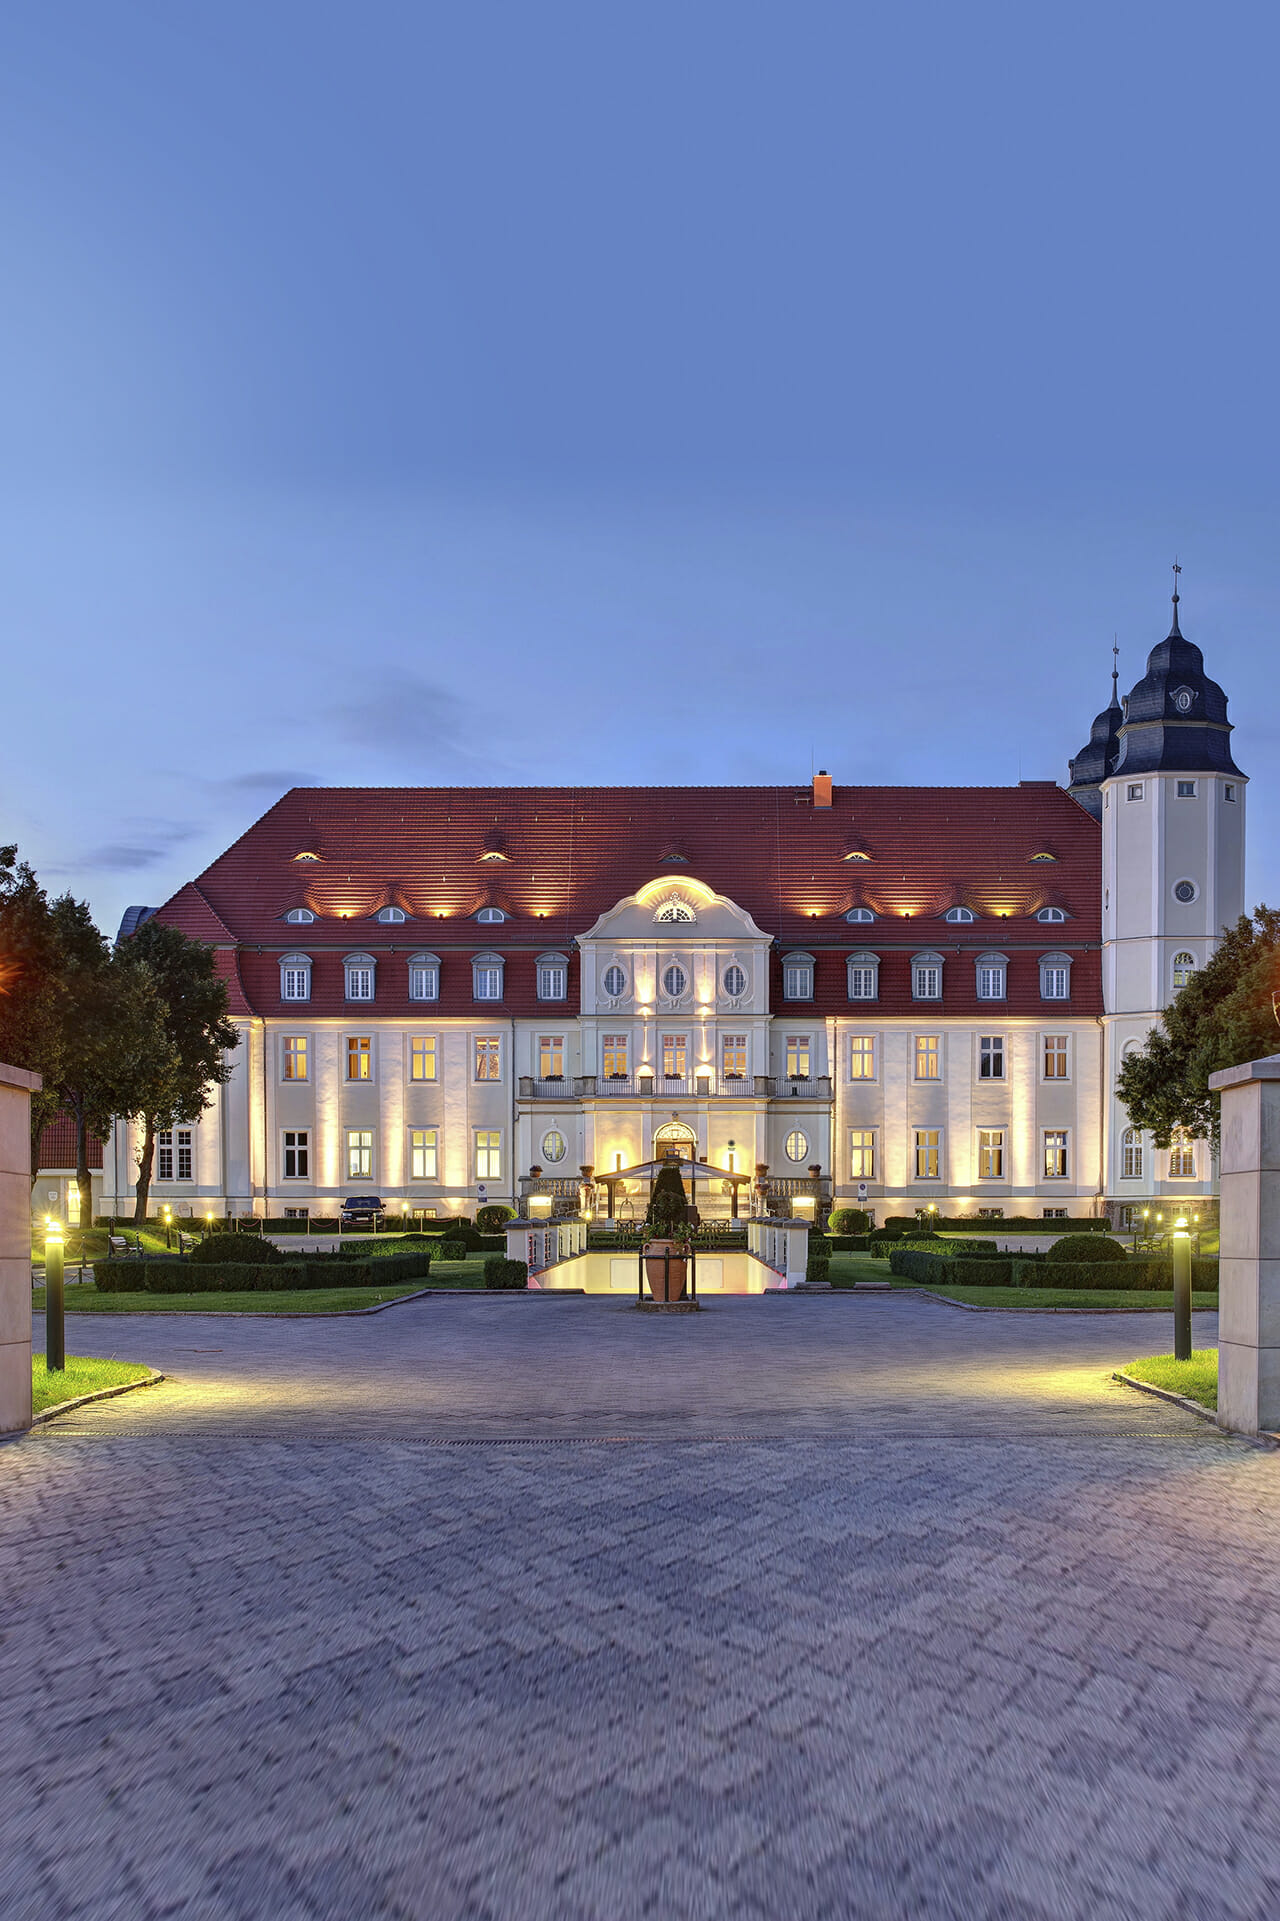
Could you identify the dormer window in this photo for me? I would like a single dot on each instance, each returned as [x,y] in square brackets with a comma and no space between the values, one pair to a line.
[675,909]
[424,977]
[992,973]
[797,977]
[391,916]
[360,969]
[306,854]
[860,916]
[1044,854]
[926,977]
[1051,914]
[295,977]
[1055,977]
[299,915]
[553,977]
[964,914]
[490,914]
[864,977]
[495,845]
[486,977]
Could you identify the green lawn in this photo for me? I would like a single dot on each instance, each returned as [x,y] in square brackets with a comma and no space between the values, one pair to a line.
[848,1268]
[85,1299]
[80,1376]
[1196,1378]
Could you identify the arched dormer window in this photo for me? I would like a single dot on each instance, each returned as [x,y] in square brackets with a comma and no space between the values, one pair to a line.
[926,977]
[486,977]
[797,977]
[295,977]
[553,977]
[490,915]
[299,915]
[1184,966]
[992,977]
[962,914]
[1131,1163]
[391,916]
[860,916]
[1048,914]
[360,970]
[424,977]
[1055,977]
[864,977]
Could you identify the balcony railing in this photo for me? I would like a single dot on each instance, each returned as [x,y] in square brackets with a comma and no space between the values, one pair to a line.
[787,1087]
[693,1086]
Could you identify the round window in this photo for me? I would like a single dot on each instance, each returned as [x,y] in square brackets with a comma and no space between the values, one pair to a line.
[797,1145]
[554,1147]
[1185,890]
[735,982]
[673,981]
[615,982]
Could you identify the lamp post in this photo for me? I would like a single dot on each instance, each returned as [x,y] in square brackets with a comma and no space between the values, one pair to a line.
[1181,1292]
[55,1325]
[168,1222]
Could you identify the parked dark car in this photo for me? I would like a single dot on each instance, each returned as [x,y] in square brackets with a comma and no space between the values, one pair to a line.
[362,1208]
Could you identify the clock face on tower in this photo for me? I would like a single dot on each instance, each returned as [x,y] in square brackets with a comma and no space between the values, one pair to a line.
[1184,699]
[1185,891]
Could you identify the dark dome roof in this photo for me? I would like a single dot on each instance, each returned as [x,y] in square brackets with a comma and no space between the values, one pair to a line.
[1093,763]
[1176,717]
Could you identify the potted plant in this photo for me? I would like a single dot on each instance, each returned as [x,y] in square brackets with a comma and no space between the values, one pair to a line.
[666,1244]
[535,1171]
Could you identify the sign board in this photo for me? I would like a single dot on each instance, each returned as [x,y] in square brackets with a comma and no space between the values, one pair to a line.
[862,1190]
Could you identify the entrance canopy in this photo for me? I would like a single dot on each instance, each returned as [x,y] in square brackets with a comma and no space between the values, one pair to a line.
[649,1170]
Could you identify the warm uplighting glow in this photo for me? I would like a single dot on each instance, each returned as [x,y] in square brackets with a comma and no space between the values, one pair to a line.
[539,1207]
[802,1204]
[686,885]
[53,1231]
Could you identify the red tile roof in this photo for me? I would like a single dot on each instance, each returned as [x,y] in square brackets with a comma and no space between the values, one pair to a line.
[572,853]
[58,1146]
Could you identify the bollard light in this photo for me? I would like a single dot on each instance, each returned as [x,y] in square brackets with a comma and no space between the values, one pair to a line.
[539,1207]
[55,1324]
[1181,1291]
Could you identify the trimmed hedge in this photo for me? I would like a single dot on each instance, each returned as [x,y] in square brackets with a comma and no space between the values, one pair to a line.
[849,1220]
[228,1277]
[240,1250]
[500,1272]
[1073,1248]
[452,1250]
[818,1264]
[1146,1276]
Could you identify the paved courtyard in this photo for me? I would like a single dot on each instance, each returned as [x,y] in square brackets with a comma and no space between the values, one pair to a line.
[539,1608]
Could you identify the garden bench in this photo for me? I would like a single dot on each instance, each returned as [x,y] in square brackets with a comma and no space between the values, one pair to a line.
[187,1241]
[118,1246]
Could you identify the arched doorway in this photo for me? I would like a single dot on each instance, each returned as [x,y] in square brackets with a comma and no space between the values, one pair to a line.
[678,1137]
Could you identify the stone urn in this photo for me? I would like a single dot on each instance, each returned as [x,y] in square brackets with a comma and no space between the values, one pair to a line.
[666,1267]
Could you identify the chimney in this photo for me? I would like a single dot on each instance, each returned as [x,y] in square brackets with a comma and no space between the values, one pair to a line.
[822,788]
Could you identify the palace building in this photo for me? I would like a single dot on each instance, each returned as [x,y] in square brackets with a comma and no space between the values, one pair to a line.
[906,996]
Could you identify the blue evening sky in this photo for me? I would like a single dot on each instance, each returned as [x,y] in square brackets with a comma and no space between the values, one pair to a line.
[401,392]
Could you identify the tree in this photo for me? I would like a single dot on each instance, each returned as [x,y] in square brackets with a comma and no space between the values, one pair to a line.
[1225,1015]
[30,1029]
[174,1086]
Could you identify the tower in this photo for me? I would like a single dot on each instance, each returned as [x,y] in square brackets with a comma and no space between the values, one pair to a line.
[1171,803]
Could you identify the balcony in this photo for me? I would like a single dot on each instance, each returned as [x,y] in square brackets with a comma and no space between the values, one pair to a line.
[786,1089]
[685,1087]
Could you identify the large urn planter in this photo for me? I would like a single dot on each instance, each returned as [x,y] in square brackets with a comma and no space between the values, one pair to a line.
[666,1268]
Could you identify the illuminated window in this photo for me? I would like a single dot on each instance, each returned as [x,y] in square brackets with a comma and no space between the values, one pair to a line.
[797,977]
[991,1057]
[1055,1057]
[796,1145]
[424,977]
[862,1057]
[991,1154]
[735,982]
[1055,1154]
[674,981]
[359,1057]
[293,1057]
[673,1056]
[862,1154]
[1182,1157]
[488,1154]
[675,909]
[488,1057]
[424,1156]
[928,1057]
[295,977]
[928,1153]
[551,1057]
[614,983]
[422,1057]
[1184,966]
[359,972]
[297,1154]
[359,1153]
[173,1155]
[613,1056]
[926,977]
[797,1057]
[554,1146]
[1132,1155]
[733,1056]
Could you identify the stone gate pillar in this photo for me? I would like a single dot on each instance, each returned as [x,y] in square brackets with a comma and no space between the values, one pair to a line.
[1249,1275]
[16,1089]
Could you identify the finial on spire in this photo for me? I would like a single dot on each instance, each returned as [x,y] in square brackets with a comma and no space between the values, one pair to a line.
[1115,670]
[1175,631]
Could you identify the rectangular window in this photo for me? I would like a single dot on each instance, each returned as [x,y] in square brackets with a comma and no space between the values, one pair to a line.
[991,1154]
[991,982]
[862,1057]
[551,1057]
[1135,790]
[991,1057]
[359,1057]
[293,1057]
[1186,790]
[1132,1155]
[424,981]
[1055,984]
[164,1156]
[488,1057]
[862,1154]
[422,1057]
[295,983]
[487,983]
[862,983]
[928,1067]
[297,1154]
[733,1056]
[1229,790]
[423,1155]
[359,983]
[797,981]
[1055,1154]
[927,983]
[673,1056]
[551,981]
[488,1154]
[1055,1057]
[613,1056]
[359,1153]
[928,1153]
[184,1154]
[1053,1213]
[173,1155]
[797,1057]
[1182,1159]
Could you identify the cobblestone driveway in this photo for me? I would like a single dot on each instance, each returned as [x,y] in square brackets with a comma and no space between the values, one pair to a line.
[881,1609]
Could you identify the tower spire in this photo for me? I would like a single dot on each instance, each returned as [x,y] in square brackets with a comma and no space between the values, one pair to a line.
[1115,671]
[1175,632]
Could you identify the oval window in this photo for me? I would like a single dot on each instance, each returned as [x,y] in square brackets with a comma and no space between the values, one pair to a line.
[554,1147]
[615,982]
[673,981]
[1185,891]
[735,982]
[797,1145]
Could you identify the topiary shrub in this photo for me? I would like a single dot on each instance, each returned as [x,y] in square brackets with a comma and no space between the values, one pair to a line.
[849,1220]
[500,1272]
[240,1250]
[452,1251]
[668,1214]
[492,1219]
[1088,1248]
